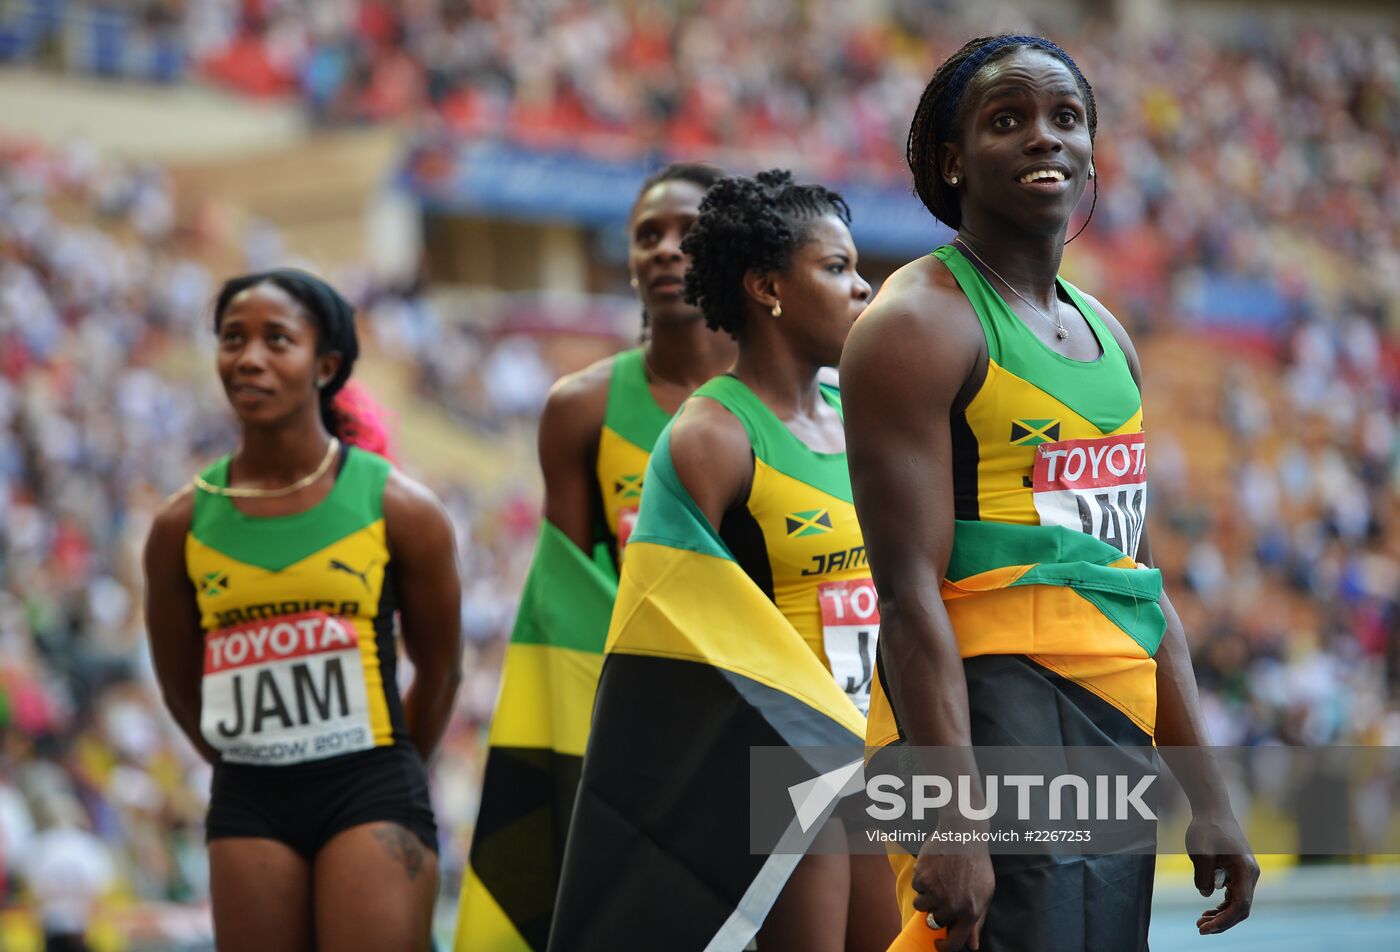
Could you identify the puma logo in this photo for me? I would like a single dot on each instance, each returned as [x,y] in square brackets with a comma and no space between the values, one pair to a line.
[339,566]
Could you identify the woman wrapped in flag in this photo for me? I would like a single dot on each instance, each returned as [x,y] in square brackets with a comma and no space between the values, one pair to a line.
[596,433]
[998,457]
[745,616]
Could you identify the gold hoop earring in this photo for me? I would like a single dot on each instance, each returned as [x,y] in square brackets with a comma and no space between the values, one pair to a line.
[777,310]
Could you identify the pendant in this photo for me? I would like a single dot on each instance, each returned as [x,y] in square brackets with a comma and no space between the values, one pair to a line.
[1061,332]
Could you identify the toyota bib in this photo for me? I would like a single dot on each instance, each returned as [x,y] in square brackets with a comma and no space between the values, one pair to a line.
[285,690]
[1094,486]
[850,629]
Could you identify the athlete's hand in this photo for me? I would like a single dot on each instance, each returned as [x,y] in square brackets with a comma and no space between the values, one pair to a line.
[956,888]
[1221,856]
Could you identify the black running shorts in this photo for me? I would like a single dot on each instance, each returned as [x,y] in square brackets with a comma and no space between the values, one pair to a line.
[306,805]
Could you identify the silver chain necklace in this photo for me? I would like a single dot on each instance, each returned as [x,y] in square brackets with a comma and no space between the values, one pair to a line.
[1061,331]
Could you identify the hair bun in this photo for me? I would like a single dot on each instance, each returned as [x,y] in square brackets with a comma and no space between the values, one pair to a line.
[748,224]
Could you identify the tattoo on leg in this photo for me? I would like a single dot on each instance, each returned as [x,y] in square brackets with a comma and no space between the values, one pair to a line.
[402,846]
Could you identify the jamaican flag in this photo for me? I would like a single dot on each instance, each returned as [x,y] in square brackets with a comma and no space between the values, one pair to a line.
[1057,631]
[538,736]
[1073,605]
[700,667]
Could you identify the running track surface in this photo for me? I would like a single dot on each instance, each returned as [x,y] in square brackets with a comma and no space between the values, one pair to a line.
[1306,909]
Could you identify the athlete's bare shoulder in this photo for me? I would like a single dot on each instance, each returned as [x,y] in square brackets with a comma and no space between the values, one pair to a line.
[407,496]
[164,555]
[712,456]
[578,403]
[920,316]
[704,428]
[175,515]
[415,519]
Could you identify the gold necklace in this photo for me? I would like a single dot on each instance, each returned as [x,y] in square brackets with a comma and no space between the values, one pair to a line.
[245,492]
[1061,331]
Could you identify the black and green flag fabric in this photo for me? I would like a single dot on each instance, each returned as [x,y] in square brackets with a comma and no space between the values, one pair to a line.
[700,667]
[536,749]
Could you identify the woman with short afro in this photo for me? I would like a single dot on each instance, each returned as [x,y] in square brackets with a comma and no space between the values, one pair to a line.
[762,452]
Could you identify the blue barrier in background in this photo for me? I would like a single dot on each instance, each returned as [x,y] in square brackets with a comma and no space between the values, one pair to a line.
[507,181]
[101,40]
[499,179]
[1217,298]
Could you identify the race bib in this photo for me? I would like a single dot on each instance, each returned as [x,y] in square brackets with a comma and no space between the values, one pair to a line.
[850,627]
[1094,486]
[285,690]
[626,520]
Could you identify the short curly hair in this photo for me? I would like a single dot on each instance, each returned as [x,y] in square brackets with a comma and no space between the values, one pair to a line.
[749,224]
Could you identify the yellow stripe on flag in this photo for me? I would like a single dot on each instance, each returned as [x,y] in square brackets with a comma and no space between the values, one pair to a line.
[481,925]
[679,604]
[1050,624]
[568,679]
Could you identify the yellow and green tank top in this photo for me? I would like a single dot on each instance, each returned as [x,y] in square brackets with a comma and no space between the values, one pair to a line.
[797,537]
[1050,496]
[298,620]
[632,422]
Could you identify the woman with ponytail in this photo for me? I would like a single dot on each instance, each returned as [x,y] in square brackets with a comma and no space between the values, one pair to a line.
[273,581]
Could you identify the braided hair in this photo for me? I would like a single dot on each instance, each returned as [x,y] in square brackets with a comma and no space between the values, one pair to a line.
[940,114]
[749,224]
[335,323]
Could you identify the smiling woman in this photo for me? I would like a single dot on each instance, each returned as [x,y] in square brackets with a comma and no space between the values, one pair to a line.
[272,585]
[973,374]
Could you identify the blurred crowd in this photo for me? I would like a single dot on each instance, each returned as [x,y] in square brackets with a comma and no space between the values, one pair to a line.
[92,434]
[1248,233]
[108,404]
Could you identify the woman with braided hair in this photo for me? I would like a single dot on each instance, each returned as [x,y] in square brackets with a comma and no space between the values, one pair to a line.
[977,386]
[272,585]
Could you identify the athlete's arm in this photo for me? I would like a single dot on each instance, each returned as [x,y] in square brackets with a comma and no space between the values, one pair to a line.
[905,365]
[1214,840]
[568,447]
[172,619]
[713,458]
[423,552]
